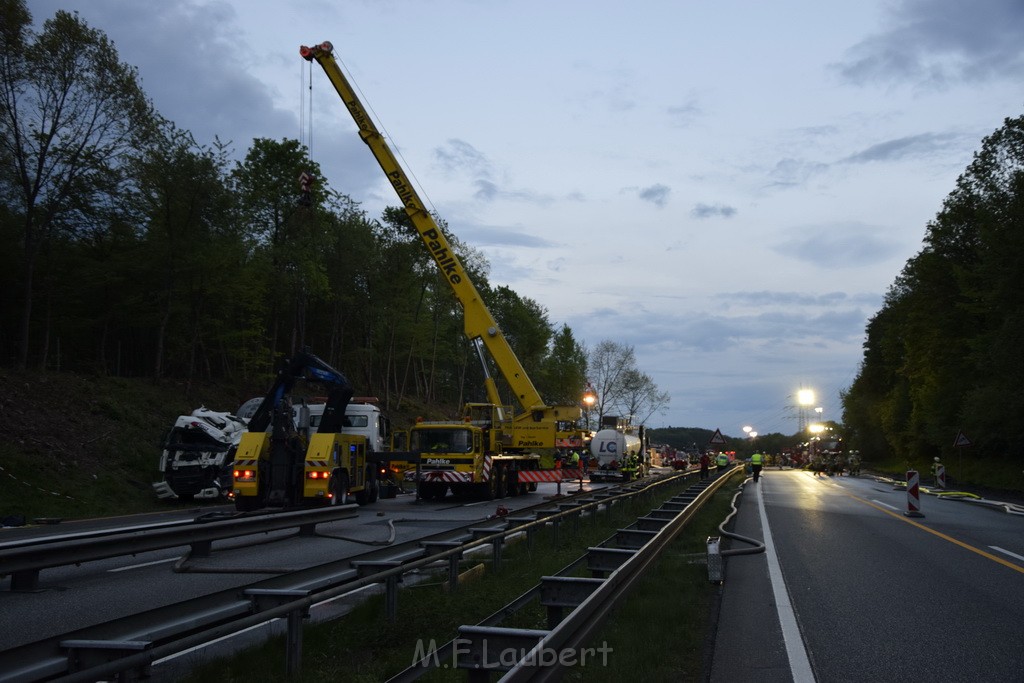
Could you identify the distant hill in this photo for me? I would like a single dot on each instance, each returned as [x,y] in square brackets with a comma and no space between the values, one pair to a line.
[682,437]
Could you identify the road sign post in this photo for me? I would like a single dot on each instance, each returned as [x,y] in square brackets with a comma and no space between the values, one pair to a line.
[960,442]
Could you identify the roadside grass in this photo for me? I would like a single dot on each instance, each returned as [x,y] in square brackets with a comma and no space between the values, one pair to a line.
[362,646]
[972,472]
[660,631]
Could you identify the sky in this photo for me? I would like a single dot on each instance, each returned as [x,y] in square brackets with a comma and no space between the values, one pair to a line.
[729,187]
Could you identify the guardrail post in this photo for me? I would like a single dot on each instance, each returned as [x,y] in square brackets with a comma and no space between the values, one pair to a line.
[293,643]
[559,592]
[391,598]
[496,545]
[453,559]
[84,654]
[201,549]
[27,580]
[365,568]
[272,597]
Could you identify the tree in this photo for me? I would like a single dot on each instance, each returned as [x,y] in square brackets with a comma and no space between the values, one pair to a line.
[69,112]
[608,364]
[182,202]
[286,232]
[944,352]
[563,376]
[640,396]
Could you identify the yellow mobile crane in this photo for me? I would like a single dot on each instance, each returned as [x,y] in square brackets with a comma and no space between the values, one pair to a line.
[487,450]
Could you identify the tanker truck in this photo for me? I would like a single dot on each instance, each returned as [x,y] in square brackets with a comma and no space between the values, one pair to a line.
[618,455]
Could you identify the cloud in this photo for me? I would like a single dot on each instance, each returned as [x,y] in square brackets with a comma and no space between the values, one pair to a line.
[899,149]
[458,156]
[686,114]
[487,191]
[936,43]
[655,194]
[839,245]
[709,211]
[791,172]
[486,236]
[771,298]
[188,67]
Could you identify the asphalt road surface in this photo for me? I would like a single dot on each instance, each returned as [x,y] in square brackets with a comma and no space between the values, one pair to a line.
[852,589]
[73,597]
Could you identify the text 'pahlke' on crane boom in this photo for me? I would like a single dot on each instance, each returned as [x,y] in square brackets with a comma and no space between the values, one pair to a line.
[500,443]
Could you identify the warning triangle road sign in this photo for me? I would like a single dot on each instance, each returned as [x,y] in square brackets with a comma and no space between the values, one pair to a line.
[717,439]
[961,440]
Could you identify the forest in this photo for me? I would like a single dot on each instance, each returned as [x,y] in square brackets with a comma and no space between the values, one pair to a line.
[943,357]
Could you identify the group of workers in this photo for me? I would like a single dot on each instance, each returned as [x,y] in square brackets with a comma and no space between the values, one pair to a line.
[722,463]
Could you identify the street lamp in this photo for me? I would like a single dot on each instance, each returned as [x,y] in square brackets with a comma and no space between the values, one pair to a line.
[805,399]
[589,399]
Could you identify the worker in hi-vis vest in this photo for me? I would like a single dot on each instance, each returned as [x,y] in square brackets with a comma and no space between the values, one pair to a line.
[756,462]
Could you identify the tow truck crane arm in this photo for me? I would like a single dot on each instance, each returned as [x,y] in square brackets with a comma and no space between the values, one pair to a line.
[308,366]
[479,324]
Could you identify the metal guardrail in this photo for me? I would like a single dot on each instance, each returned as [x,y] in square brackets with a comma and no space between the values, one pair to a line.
[580,625]
[87,658]
[24,562]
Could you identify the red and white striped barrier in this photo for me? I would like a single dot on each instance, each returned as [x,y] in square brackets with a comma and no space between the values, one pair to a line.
[913,495]
[526,476]
[446,476]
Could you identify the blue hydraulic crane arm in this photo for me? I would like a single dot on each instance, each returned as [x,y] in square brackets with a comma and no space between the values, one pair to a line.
[479,324]
[310,367]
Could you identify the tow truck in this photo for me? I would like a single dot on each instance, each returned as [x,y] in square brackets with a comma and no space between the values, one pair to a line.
[276,466]
[486,452]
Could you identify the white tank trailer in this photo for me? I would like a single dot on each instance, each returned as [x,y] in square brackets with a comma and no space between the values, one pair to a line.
[610,448]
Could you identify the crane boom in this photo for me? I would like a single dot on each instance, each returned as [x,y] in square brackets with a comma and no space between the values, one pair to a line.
[479,324]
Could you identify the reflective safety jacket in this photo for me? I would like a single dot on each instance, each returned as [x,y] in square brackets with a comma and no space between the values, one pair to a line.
[756,459]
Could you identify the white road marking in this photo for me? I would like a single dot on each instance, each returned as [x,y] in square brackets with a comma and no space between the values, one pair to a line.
[1007,552]
[891,507]
[799,664]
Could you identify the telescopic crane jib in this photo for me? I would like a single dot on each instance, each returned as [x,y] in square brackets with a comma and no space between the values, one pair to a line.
[538,426]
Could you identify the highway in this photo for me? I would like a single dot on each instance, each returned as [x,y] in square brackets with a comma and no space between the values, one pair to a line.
[71,597]
[852,589]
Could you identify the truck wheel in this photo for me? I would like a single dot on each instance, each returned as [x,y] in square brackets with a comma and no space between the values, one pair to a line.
[374,485]
[339,489]
[511,482]
[499,481]
[489,489]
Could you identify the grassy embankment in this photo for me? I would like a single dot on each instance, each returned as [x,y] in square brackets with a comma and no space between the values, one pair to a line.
[74,446]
